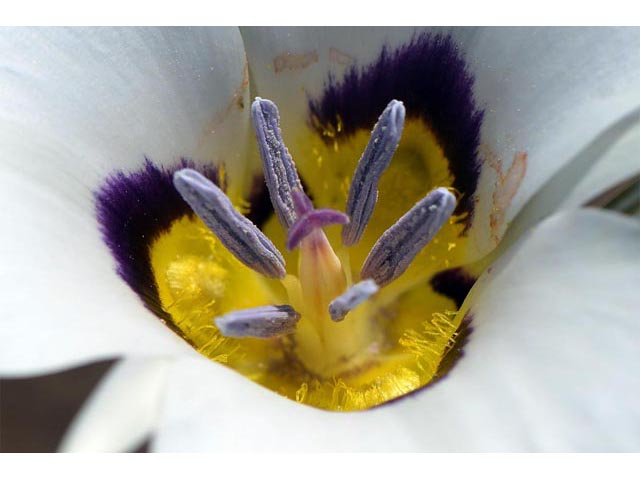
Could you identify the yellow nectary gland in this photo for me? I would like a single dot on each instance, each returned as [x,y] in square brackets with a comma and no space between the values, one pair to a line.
[385,348]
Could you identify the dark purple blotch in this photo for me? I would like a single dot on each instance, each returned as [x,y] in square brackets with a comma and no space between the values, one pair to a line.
[259,200]
[431,77]
[133,209]
[454,283]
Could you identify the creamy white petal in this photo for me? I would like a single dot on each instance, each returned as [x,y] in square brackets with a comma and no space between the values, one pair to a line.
[289,64]
[122,411]
[76,105]
[608,160]
[96,99]
[550,366]
[618,164]
[546,93]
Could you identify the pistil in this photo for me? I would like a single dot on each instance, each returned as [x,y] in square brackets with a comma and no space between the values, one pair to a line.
[310,219]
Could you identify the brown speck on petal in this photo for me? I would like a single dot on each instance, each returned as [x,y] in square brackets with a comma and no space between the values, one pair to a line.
[294,61]
[341,58]
[506,187]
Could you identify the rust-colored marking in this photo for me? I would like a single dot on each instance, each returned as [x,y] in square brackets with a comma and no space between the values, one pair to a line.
[237,99]
[243,85]
[506,187]
[294,61]
[235,103]
[341,58]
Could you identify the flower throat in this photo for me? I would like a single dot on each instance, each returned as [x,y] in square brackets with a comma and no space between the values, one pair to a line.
[332,328]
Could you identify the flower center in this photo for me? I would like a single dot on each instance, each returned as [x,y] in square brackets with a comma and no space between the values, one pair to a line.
[348,328]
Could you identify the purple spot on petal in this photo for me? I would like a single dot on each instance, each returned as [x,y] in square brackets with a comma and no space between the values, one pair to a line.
[261,208]
[133,209]
[453,356]
[431,77]
[454,283]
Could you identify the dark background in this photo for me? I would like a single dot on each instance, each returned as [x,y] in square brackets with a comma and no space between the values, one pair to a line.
[35,412]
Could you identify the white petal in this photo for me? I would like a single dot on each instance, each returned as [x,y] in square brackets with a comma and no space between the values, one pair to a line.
[76,105]
[93,100]
[550,366]
[288,64]
[619,163]
[122,411]
[608,160]
[546,93]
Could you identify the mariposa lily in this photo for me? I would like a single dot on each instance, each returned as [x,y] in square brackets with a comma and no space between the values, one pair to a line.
[103,258]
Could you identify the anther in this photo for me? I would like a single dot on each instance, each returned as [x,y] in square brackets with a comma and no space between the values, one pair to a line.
[310,219]
[236,232]
[398,246]
[358,293]
[363,193]
[279,170]
[259,322]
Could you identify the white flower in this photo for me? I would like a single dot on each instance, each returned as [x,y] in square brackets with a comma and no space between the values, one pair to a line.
[551,361]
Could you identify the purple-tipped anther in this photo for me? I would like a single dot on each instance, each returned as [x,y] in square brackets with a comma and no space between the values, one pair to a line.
[259,322]
[236,232]
[279,170]
[357,294]
[398,246]
[363,193]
